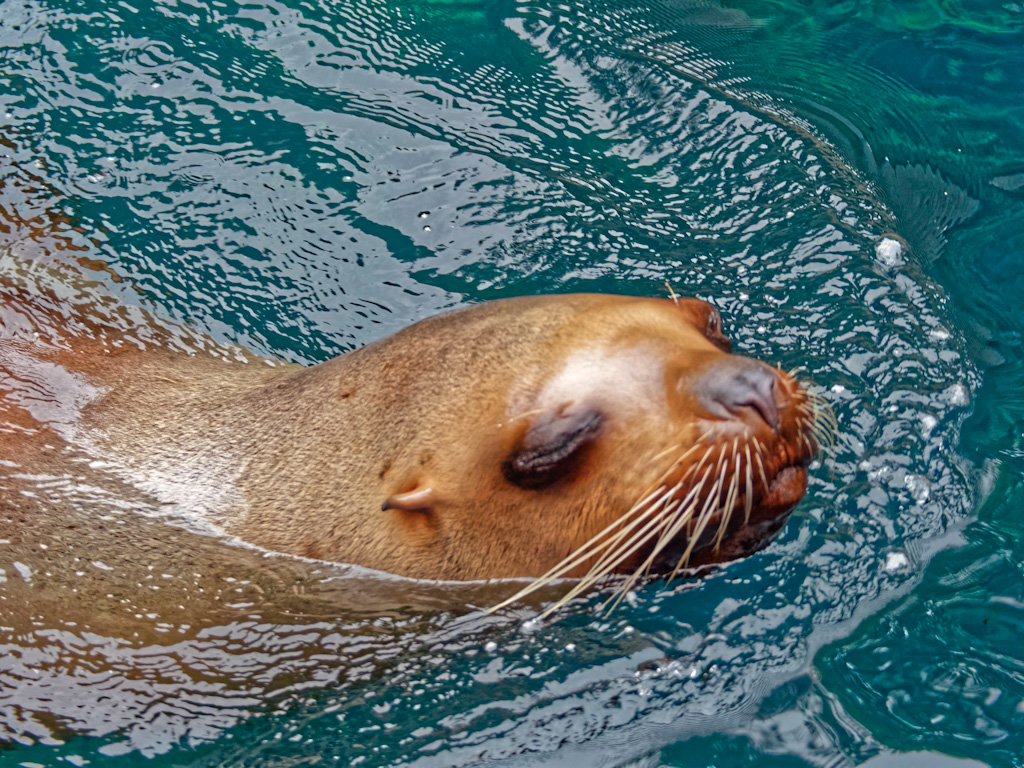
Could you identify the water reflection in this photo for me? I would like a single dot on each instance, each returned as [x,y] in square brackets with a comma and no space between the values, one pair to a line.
[304,179]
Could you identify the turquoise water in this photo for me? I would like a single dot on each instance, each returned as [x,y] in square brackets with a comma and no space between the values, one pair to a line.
[304,178]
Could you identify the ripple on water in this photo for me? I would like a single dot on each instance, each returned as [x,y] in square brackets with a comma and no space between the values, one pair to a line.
[271,190]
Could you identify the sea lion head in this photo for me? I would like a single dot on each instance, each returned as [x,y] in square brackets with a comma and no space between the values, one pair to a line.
[623,437]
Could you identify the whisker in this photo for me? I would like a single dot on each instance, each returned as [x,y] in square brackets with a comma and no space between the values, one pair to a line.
[693,470]
[703,518]
[730,501]
[760,468]
[672,293]
[823,438]
[730,498]
[669,527]
[658,508]
[607,541]
[824,433]
[686,453]
[661,454]
[638,572]
[614,556]
[749,500]
[673,528]
[578,555]
[823,411]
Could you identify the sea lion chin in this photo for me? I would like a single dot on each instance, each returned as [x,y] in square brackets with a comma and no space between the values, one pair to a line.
[567,435]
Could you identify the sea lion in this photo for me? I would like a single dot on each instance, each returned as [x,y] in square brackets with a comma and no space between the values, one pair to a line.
[567,435]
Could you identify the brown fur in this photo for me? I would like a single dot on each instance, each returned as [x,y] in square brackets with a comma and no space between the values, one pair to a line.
[299,460]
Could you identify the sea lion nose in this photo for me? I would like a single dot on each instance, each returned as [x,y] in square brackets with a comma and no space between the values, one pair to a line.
[738,385]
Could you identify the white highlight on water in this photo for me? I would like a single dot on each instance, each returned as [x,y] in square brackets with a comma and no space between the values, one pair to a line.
[896,561]
[889,252]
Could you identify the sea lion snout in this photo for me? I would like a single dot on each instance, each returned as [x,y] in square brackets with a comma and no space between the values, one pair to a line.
[741,388]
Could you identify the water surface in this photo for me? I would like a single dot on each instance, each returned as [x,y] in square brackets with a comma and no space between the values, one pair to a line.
[303,178]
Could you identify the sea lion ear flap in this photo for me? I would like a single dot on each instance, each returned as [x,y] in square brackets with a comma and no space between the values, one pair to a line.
[551,446]
[707,319]
[417,499]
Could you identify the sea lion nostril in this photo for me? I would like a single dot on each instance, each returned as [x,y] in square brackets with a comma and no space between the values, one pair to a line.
[738,384]
[761,397]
